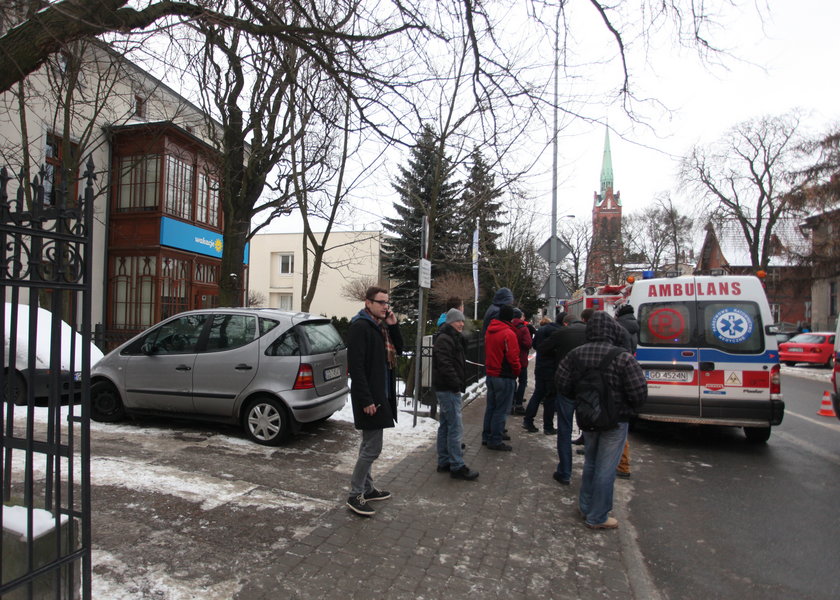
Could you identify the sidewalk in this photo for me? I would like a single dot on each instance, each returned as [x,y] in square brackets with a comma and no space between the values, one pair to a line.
[513,533]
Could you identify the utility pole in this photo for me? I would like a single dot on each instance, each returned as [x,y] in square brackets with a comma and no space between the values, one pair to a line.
[552,251]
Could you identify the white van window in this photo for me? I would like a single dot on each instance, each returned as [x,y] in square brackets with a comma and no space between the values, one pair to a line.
[666,324]
[734,327]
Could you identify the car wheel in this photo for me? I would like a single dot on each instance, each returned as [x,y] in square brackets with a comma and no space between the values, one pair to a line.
[16,389]
[105,403]
[829,364]
[790,363]
[267,421]
[757,435]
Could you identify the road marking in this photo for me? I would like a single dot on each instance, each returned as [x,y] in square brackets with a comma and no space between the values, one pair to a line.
[833,424]
[813,448]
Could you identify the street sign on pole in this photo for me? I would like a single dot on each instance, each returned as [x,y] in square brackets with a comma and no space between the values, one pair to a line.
[562,249]
[562,291]
[425,273]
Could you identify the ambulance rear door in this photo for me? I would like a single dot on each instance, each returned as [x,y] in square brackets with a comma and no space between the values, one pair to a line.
[667,350]
[734,356]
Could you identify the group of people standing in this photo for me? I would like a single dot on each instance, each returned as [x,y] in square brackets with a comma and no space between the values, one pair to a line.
[566,349]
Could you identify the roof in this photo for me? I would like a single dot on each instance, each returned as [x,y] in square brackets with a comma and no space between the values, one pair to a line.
[792,244]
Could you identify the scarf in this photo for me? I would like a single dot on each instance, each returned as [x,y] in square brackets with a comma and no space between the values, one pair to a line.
[390,349]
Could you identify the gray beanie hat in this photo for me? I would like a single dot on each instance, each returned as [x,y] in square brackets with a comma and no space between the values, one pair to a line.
[453,314]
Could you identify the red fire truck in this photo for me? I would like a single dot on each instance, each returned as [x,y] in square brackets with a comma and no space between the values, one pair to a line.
[603,297]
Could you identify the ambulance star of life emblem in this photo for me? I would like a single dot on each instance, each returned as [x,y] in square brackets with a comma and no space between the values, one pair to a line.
[732,325]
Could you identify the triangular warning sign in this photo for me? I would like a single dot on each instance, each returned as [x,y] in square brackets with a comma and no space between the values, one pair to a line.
[733,379]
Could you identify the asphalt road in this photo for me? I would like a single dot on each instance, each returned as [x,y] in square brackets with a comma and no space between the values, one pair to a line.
[717,517]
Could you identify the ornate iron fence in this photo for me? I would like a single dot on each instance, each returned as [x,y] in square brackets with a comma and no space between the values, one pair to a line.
[45,286]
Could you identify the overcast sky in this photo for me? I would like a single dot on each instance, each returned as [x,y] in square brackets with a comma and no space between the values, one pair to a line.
[778,63]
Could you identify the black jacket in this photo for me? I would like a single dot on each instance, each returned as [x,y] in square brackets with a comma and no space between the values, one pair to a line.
[372,382]
[564,340]
[545,363]
[448,361]
[631,326]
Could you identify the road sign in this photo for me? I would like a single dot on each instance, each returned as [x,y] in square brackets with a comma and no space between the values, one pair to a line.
[425,273]
[545,249]
[562,290]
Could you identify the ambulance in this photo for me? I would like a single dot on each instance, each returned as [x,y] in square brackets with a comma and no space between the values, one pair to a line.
[709,352]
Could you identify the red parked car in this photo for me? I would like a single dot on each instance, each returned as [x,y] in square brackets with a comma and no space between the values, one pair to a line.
[815,348]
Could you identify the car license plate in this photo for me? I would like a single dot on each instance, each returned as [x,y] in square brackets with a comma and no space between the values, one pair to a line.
[332,373]
[681,376]
[794,349]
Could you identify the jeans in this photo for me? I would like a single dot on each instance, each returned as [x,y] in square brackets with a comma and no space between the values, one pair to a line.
[522,383]
[499,399]
[565,410]
[603,451]
[369,450]
[450,430]
[543,393]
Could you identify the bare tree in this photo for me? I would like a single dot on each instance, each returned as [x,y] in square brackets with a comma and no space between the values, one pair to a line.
[452,285]
[747,177]
[355,288]
[656,236]
[577,235]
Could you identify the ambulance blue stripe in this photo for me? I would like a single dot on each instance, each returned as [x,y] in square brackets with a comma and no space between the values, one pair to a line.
[664,355]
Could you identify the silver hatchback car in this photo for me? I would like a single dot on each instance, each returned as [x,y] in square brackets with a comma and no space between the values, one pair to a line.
[267,370]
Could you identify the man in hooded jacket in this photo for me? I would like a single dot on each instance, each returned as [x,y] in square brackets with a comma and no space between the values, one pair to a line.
[373,343]
[501,349]
[625,378]
[502,297]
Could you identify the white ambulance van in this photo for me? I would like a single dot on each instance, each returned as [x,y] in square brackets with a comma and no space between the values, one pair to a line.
[835,372]
[709,352]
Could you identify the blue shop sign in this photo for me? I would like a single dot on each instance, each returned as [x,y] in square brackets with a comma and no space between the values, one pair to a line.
[177,234]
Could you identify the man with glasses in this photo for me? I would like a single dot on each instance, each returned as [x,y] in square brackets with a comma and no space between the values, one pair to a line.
[374,341]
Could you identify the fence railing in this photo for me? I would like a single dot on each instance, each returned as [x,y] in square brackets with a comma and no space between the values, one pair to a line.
[45,287]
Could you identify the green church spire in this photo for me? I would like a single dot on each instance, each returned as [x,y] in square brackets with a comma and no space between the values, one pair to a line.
[606,165]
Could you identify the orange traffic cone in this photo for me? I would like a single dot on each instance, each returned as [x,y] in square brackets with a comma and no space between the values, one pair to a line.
[826,410]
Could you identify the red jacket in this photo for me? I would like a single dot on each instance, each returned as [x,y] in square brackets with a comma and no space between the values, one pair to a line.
[501,350]
[523,334]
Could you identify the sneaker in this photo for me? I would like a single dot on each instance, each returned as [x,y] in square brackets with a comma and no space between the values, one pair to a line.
[610,523]
[359,506]
[464,473]
[375,494]
[529,427]
[443,468]
[501,447]
[622,474]
[550,431]
[560,480]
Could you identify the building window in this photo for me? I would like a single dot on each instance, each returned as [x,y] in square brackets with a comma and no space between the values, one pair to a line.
[776,311]
[139,107]
[284,301]
[139,182]
[175,276]
[832,299]
[773,276]
[178,195]
[287,264]
[133,291]
[207,201]
[55,166]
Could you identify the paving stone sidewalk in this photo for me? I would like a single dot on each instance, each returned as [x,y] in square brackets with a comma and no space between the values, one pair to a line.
[513,533]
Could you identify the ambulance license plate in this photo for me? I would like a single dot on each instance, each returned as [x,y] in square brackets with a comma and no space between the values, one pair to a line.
[679,376]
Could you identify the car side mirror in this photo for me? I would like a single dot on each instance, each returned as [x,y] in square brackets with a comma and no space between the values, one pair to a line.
[771,329]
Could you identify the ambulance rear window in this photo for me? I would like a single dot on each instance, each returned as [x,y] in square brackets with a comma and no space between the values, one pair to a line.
[666,324]
[733,327]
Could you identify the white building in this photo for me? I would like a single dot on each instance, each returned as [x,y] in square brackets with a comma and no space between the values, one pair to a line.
[277,266]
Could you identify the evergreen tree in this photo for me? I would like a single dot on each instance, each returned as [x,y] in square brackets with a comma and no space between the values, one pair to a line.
[425,188]
[482,204]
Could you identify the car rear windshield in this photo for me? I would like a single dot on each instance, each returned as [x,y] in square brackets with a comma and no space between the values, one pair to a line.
[321,337]
[807,338]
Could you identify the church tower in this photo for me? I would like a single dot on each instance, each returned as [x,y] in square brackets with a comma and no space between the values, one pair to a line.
[603,265]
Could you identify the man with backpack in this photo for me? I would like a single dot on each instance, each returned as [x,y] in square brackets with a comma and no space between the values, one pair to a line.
[607,386]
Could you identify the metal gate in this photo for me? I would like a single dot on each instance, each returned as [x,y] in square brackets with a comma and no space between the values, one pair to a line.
[45,287]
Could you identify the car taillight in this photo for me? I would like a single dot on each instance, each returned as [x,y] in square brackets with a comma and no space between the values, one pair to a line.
[775,380]
[815,349]
[305,380]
